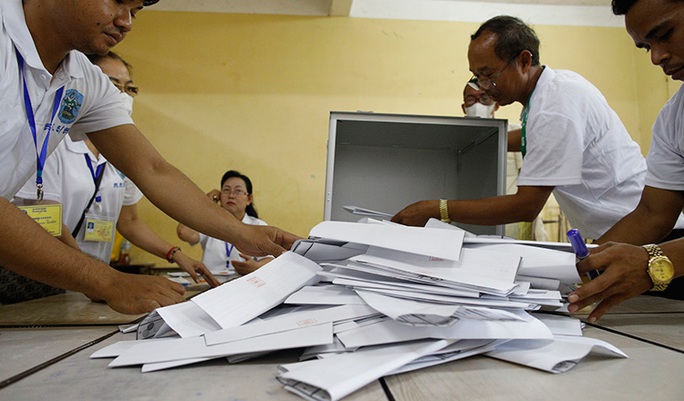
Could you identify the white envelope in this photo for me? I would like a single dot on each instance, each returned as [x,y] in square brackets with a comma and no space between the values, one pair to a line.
[434,242]
[247,297]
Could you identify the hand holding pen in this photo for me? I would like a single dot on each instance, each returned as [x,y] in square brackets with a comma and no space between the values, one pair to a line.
[580,248]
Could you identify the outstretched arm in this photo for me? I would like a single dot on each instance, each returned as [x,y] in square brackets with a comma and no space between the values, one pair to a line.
[172,192]
[27,249]
[524,205]
[141,235]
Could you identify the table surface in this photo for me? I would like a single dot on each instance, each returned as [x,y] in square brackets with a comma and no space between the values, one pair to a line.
[213,380]
[644,375]
[68,309]
[639,330]
[25,348]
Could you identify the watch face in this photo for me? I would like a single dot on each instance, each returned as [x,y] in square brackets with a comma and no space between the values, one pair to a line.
[661,269]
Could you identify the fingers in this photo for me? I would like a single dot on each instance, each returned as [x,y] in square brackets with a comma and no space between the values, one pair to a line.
[193,275]
[208,277]
[134,294]
[603,307]
[285,240]
[584,296]
[177,290]
[214,195]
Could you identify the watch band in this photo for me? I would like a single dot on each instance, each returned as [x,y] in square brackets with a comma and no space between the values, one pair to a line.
[444,211]
[654,251]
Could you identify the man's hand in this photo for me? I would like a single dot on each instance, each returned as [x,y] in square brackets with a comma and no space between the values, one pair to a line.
[624,276]
[264,240]
[418,213]
[135,293]
[249,265]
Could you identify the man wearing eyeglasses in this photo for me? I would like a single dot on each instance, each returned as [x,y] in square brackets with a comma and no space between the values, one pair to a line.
[628,270]
[476,103]
[573,143]
[51,89]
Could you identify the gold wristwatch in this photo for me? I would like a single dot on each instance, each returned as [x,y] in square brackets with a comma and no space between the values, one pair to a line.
[660,268]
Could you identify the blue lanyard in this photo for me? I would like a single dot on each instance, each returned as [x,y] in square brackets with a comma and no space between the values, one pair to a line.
[42,155]
[96,174]
[229,250]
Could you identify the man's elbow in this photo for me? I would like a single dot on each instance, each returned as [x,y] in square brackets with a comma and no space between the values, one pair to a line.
[528,214]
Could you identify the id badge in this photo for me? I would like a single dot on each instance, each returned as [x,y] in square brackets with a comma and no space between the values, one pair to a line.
[98,228]
[48,214]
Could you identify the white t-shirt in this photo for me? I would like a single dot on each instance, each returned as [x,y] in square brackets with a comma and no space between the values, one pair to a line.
[89,101]
[216,251]
[67,179]
[666,156]
[578,144]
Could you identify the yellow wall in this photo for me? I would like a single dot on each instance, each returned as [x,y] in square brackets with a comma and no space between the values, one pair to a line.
[253,93]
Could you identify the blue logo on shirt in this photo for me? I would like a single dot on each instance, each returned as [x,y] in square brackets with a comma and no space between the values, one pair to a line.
[71,104]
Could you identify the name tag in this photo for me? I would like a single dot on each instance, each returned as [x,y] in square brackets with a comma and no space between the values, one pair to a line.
[49,216]
[98,230]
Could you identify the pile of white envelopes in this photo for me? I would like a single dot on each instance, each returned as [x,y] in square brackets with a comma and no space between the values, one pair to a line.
[381,296]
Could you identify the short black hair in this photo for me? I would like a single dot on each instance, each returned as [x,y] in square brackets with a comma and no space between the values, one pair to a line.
[512,37]
[148,3]
[621,7]
[250,210]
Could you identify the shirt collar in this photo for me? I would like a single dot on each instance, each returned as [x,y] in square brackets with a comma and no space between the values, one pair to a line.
[14,21]
[79,147]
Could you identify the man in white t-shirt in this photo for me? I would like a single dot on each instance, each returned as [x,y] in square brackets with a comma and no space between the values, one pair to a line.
[573,143]
[476,103]
[49,89]
[630,270]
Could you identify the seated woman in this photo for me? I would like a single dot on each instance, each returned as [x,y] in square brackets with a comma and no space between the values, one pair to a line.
[219,256]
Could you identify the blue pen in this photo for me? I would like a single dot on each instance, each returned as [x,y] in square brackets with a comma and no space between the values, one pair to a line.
[580,249]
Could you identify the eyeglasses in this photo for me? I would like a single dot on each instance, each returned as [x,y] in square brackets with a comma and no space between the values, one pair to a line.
[483,99]
[488,82]
[129,88]
[236,192]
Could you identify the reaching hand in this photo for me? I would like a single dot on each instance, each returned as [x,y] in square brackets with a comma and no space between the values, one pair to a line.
[418,213]
[195,268]
[624,276]
[249,265]
[136,293]
[264,240]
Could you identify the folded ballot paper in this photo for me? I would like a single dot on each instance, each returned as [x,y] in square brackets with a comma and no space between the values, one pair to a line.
[370,299]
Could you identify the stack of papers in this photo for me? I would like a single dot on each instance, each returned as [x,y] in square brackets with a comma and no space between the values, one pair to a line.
[376,295]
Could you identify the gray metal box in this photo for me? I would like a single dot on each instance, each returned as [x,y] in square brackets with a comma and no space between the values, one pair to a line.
[388,161]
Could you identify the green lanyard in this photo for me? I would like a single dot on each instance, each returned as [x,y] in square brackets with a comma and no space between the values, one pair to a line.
[523,135]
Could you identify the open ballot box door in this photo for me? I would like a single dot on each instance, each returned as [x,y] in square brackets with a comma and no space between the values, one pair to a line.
[385,162]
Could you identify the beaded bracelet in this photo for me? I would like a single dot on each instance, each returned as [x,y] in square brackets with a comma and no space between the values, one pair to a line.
[171,252]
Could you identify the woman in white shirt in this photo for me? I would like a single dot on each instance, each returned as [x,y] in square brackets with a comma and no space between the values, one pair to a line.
[219,256]
[96,198]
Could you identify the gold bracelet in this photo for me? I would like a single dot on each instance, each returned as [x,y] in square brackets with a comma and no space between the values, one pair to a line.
[444,211]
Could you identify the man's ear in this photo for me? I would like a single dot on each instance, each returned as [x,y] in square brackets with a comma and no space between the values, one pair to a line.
[496,107]
[525,61]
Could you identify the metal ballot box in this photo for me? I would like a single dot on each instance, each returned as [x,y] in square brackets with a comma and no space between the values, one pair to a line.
[385,162]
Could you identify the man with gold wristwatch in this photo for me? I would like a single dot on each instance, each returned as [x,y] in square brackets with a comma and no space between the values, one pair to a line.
[630,270]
